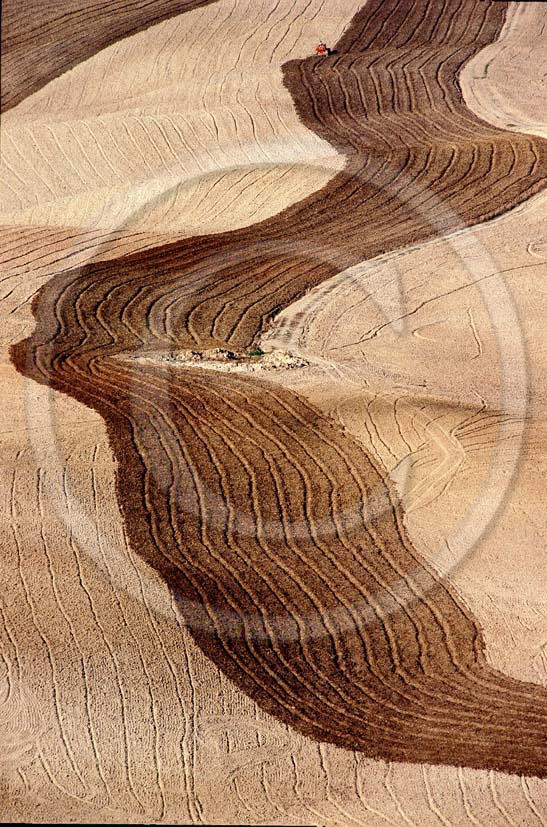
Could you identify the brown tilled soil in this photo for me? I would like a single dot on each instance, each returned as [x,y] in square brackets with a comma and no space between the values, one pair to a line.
[280,539]
[287,550]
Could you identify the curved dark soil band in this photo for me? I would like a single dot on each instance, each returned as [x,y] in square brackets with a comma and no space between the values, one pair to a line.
[280,539]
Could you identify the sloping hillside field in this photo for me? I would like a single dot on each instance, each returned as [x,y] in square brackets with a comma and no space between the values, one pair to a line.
[273,427]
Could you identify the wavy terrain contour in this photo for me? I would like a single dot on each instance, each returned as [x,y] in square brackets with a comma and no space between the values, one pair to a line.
[282,542]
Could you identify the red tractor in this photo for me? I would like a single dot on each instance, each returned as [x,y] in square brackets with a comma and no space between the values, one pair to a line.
[322,49]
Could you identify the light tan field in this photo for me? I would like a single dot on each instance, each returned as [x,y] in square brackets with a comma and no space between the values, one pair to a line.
[182,129]
[433,357]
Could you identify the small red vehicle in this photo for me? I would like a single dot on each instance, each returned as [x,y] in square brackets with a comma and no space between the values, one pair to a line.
[322,49]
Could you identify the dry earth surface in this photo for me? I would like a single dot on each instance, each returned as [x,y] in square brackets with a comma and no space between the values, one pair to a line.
[429,360]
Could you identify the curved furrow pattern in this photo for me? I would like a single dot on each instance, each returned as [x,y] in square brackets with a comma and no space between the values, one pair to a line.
[42,40]
[279,537]
[183,129]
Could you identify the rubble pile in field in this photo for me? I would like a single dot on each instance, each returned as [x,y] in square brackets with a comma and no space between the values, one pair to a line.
[229,360]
